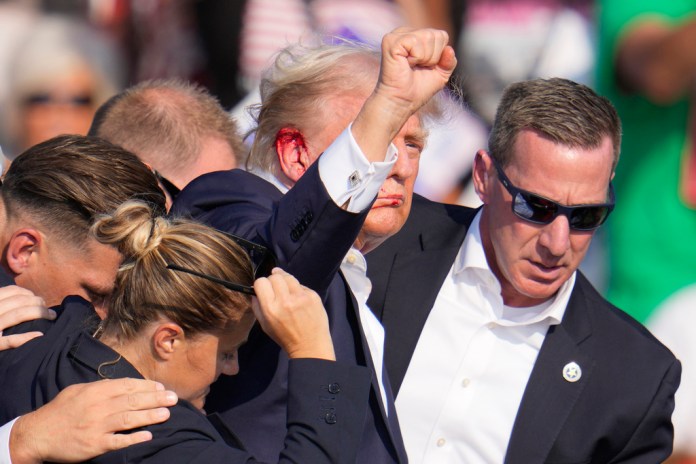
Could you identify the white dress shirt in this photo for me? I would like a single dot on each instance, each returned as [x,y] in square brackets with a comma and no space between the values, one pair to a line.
[464,385]
[354,269]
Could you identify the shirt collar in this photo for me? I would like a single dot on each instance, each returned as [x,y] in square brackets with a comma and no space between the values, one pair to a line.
[266,175]
[471,260]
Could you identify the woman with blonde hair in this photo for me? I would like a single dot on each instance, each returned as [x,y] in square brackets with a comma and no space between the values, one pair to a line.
[181,308]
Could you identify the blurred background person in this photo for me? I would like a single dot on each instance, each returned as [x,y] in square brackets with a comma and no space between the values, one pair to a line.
[57,78]
[647,67]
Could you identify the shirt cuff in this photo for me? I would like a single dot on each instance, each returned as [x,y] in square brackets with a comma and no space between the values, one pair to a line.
[349,177]
[5,442]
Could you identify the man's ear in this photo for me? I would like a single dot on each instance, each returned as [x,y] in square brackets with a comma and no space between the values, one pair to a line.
[167,340]
[24,244]
[482,176]
[292,153]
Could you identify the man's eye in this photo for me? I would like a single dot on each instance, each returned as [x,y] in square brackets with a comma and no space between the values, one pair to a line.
[414,149]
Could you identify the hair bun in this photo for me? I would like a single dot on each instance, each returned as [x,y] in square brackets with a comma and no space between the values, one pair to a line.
[132,228]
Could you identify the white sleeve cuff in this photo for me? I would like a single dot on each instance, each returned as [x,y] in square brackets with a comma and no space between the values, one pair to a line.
[5,442]
[347,174]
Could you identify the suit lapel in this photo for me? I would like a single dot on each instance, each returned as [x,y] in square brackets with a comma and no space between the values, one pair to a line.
[391,418]
[549,397]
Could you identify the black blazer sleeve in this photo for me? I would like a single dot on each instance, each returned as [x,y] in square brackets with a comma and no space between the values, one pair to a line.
[327,402]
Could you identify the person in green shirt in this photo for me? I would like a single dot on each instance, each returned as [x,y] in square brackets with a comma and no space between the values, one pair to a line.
[647,68]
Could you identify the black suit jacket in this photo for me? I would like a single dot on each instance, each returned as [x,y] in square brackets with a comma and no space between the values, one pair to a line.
[326,400]
[310,236]
[619,411]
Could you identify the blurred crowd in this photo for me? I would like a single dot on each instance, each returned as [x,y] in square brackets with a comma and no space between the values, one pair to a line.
[60,60]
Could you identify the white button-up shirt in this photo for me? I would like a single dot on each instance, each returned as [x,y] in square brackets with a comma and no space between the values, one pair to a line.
[463,387]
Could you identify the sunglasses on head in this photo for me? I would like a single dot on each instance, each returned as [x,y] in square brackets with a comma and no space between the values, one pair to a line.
[540,210]
[262,261]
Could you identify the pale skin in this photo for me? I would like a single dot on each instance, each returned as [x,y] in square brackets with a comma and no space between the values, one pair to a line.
[532,261]
[83,421]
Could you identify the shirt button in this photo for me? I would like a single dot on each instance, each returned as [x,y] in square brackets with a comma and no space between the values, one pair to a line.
[491,325]
[351,259]
[441,442]
[330,418]
[466,383]
[334,388]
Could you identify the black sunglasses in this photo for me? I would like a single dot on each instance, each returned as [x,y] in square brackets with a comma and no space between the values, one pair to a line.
[540,210]
[262,260]
[40,99]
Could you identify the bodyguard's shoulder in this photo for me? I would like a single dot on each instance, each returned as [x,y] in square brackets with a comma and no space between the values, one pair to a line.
[621,332]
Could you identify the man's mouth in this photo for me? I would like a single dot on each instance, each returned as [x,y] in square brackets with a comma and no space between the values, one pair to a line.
[388,201]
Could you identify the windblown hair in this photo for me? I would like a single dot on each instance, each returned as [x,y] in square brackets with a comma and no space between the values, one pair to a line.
[165,122]
[64,183]
[296,90]
[561,110]
[146,290]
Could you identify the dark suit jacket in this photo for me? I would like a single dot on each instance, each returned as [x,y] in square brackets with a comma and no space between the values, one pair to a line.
[310,236]
[619,411]
[326,400]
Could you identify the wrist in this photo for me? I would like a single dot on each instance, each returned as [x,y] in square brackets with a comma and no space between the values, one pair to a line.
[322,350]
[22,446]
[379,121]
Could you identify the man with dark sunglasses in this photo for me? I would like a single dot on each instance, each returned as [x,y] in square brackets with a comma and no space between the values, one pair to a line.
[498,348]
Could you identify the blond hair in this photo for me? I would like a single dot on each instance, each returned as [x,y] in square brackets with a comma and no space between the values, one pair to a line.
[146,290]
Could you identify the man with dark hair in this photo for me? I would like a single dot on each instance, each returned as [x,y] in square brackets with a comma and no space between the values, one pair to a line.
[177,128]
[502,351]
[49,198]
